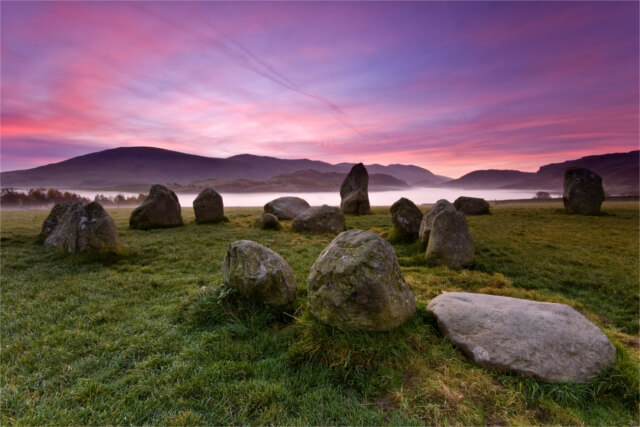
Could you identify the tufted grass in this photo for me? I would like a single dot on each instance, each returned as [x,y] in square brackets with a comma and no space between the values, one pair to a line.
[148,336]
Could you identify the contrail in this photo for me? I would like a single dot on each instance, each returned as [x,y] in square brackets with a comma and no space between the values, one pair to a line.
[247,59]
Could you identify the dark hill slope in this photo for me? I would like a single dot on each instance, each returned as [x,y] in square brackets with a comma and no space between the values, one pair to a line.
[148,165]
[492,178]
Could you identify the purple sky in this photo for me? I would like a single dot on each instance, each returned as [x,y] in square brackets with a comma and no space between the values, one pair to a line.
[452,87]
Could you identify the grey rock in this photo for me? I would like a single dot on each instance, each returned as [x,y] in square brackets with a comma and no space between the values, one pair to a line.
[268,222]
[356,283]
[427,220]
[159,210]
[259,273]
[58,210]
[286,207]
[354,191]
[83,228]
[583,192]
[471,205]
[450,241]
[323,219]
[208,206]
[406,218]
[549,341]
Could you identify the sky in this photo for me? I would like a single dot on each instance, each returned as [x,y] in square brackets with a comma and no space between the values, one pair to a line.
[449,86]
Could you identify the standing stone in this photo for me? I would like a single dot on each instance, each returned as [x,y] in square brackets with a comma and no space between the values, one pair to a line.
[58,210]
[356,284]
[159,210]
[406,219]
[583,192]
[549,341]
[259,273]
[427,220]
[471,205]
[268,222]
[324,219]
[83,228]
[354,191]
[286,207]
[450,241]
[208,206]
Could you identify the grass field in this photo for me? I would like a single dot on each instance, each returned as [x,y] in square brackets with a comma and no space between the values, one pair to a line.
[147,336]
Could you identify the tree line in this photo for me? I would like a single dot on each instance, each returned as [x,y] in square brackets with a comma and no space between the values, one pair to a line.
[42,197]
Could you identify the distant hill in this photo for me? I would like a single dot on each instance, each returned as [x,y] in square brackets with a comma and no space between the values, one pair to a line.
[300,181]
[619,172]
[492,178]
[148,165]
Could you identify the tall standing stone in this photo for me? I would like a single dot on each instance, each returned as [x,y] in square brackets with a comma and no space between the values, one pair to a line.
[427,220]
[583,192]
[356,283]
[160,209]
[354,191]
[450,241]
[208,206]
[406,218]
[82,228]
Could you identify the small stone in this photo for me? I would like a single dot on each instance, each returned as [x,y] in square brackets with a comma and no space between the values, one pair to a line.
[472,205]
[268,222]
[286,207]
[324,219]
[208,206]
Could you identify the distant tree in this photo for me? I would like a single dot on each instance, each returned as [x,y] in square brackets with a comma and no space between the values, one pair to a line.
[542,195]
[119,199]
[37,197]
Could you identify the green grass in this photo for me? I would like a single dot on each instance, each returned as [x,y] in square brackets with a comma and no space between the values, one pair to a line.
[134,338]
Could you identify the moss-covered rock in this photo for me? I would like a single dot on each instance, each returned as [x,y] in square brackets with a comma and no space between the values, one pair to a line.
[427,220]
[450,241]
[259,273]
[406,219]
[323,219]
[356,283]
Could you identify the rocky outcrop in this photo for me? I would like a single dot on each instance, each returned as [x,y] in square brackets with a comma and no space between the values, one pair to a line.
[583,192]
[552,342]
[159,210]
[472,205]
[406,219]
[427,220]
[258,273]
[286,207]
[324,219]
[81,228]
[356,283]
[354,192]
[208,206]
[450,241]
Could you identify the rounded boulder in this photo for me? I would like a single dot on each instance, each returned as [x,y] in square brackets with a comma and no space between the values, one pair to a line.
[160,209]
[286,207]
[323,219]
[406,219]
[583,192]
[208,206]
[258,273]
[356,284]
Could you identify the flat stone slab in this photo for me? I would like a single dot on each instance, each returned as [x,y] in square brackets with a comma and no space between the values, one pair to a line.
[549,341]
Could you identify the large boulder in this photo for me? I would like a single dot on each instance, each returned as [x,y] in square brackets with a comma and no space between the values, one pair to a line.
[356,284]
[286,207]
[58,210]
[427,220]
[549,341]
[406,219]
[324,219]
[354,192]
[208,206]
[258,273]
[81,228]
[471,205]
[268,222]
[159,210]
[583,192]
[450,241]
